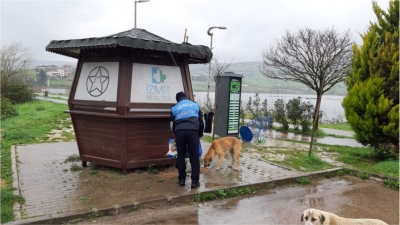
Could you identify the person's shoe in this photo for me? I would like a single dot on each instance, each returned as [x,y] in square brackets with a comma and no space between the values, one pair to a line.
[195,184]
[181,182]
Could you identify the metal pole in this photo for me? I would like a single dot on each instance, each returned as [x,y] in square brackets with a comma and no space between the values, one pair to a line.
[135,13]
[209,65]
[24,71]
[209,72]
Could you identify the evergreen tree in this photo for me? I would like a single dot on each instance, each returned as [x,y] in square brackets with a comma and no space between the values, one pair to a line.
[42,78]
[372,103]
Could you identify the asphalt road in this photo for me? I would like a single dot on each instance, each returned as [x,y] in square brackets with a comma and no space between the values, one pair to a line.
[346,196]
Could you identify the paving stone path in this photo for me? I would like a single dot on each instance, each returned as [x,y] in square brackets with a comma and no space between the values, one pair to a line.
[52,189]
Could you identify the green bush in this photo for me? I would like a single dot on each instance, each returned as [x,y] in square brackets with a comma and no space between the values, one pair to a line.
[383,152]
[279,113]
[303,180]
[18,93]
[293,111]
[7,109]
[371,105]
[305,126]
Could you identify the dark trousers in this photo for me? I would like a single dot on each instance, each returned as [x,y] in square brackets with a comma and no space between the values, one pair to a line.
[188,139]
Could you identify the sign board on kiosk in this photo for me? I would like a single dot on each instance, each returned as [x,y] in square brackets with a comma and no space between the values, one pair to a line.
[155,83]
[227,118]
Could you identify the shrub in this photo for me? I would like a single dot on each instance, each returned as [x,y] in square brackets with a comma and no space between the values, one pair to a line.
[7,109]
[18,93]
[285,124]
[384,152]
[253,107]
[303,180]
[279,112]
[294,111]
[363,175]
[305,126]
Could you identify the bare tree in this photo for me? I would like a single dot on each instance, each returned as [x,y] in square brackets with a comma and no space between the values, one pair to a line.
[218,69]
[318,59]
[14,59]
[209,104]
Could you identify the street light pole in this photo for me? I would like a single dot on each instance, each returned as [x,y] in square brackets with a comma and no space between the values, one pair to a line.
[24,71]
[209,65]
[140,1]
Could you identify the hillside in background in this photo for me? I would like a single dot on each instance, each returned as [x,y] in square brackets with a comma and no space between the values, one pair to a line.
[48,62]
[255,82]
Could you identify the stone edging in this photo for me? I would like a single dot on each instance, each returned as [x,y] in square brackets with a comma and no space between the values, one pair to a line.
[15,183]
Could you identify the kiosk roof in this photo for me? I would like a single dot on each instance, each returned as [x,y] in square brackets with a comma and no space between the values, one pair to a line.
[135,39]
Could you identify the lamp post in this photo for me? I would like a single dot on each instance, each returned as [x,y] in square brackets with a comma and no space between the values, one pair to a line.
[209,65]
[24,71]
[140,1]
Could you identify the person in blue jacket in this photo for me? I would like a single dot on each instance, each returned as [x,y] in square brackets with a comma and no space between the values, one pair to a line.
[188,127]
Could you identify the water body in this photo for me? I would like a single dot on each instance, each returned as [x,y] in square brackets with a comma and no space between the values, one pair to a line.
[57,90]
[331,105]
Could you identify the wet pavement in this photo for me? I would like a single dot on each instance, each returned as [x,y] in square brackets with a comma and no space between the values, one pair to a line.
[272,134]
[338,132]
[55,193]
[345,196]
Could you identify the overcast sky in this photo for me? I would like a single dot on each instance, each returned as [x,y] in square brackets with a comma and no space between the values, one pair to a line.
[252,25]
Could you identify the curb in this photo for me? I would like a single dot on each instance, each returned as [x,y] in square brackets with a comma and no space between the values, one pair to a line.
[186,198]
[373,175]
[15,183]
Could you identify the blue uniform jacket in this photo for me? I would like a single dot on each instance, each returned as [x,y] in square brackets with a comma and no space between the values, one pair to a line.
[186,115]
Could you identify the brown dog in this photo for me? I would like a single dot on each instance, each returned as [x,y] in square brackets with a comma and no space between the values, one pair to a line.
[319,217]
[220,147]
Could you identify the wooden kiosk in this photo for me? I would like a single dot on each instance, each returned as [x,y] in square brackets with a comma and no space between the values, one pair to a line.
[122,93]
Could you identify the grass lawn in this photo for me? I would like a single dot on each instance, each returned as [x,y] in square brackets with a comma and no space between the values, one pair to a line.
[358,158]
[361,158]
[208,139]
[35,120]
[318,133]
[54,82]
[301,162]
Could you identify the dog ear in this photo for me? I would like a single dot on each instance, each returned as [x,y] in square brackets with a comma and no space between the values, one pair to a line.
[302,217]
[322,218]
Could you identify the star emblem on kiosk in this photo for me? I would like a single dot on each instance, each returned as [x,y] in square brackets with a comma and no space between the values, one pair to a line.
[97,81]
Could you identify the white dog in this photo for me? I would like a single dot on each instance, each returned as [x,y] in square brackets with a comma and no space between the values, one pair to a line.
[319,217]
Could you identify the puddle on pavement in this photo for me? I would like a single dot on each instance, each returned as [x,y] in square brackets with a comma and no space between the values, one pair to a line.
[314,202]
[332,193]
[335,183]
[346,196]
[272,134]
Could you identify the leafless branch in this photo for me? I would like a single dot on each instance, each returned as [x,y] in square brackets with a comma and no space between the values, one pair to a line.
[219,68]
[309,57]
[14,58]
[317,59]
